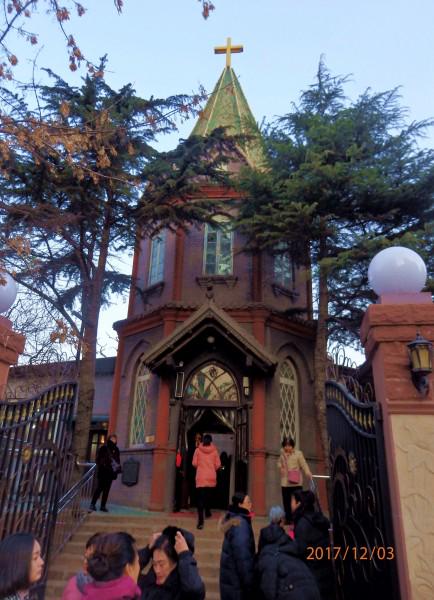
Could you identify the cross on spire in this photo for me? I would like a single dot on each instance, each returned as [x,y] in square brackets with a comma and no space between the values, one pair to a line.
[228,50]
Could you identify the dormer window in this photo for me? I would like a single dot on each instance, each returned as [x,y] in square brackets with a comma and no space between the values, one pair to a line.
[283,269]
[156,263]
[218,258]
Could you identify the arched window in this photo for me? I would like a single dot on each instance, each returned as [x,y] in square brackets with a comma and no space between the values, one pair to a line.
[283,269]
[139,418]
[289,425]
[156,263]
[212,384]
[217,259]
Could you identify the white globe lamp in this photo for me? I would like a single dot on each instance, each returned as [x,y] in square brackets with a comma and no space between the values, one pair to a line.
[397,270]
[8,291]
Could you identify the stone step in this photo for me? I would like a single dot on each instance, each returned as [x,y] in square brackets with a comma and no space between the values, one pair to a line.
[208,542]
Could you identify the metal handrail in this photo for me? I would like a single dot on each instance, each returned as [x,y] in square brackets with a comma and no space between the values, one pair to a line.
[72,509]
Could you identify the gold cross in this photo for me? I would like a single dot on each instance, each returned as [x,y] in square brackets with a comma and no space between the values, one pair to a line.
[228,50]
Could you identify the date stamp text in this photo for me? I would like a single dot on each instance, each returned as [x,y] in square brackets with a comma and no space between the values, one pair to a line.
[350,552]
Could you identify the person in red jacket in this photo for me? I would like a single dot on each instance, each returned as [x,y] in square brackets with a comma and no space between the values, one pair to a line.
[206,460]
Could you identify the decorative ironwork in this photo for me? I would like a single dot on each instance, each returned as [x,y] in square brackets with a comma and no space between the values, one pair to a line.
[356,379]
[35,437]
[359,503]
[212,384]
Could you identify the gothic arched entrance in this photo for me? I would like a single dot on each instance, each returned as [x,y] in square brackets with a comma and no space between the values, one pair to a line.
[211,404]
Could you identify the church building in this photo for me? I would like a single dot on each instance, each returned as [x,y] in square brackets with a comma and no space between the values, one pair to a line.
[217,340]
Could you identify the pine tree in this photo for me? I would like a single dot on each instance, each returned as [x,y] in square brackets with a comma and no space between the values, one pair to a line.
[344,179]
[67,211]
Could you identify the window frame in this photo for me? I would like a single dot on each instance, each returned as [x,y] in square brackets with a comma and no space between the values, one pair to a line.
[157,257]
[294,383]
[281,279]
[219,229]
[143,378]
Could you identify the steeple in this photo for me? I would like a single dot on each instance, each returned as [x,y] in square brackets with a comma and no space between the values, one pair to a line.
[227,107]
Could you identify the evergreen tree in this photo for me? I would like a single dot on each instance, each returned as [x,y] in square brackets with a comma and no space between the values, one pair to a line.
[344,179]
[68,210]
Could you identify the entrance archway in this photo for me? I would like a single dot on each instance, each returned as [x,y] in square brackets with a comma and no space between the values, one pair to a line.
[211,405]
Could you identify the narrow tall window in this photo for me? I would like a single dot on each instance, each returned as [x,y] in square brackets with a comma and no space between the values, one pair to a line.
[139,418]
[283,269]
[288,401]
[156,264]
[218,248]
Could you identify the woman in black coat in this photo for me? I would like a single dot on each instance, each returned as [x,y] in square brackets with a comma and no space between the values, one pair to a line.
[238,551]
[311,530]
[174,574]
[281,572]
[108,464]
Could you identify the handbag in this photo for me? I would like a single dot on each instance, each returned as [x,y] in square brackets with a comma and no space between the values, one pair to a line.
[116,467]
[294,476]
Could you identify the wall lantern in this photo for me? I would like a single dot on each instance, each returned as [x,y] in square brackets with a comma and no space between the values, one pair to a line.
[246,386]
[420,352]
[179,385]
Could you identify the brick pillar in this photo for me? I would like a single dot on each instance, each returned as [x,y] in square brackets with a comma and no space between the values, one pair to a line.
[179,264]
[161,450]
[257,452]
[408,421]
[11,346]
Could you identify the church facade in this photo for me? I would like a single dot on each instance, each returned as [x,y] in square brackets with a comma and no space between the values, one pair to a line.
[210,346]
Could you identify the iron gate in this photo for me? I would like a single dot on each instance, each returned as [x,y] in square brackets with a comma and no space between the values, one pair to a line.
[359,503]
[35,437]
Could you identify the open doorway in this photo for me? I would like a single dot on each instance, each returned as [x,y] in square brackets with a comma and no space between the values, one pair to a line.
[224,439]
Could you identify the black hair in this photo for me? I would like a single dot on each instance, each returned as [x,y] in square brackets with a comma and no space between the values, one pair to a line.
[307,501]
[207,439]
[112,553]
[15,560]
[92,540]
[170,532]
[288,442]
[298,496]
[164,544]
[238,498]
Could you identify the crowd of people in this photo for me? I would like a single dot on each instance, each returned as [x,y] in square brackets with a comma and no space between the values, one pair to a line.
[115,568]
[282,567]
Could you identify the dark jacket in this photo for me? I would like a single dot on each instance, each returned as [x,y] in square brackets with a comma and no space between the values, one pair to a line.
[108,461]
[238,555]
[184,583]
[281,573]
[311,531]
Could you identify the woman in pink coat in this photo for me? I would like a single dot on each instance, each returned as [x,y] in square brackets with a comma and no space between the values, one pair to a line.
[206,461]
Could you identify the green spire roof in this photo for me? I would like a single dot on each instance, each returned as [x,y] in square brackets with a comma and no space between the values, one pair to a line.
[227,107]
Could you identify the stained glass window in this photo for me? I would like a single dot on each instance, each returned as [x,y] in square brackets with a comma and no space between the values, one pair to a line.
[218,248]
[212,383]
[288,401]
[283,269]
[156,264]
[140,407]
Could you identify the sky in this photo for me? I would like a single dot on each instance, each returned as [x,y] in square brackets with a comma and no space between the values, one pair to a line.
[165,47]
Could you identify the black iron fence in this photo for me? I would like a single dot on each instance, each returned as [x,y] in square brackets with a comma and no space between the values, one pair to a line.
[364,549]
[35,464]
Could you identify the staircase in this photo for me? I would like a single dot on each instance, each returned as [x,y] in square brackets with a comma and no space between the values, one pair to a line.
[208,542]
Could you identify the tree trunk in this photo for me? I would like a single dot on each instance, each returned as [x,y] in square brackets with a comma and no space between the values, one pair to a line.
[320,357]
[92,292]
[86,383]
